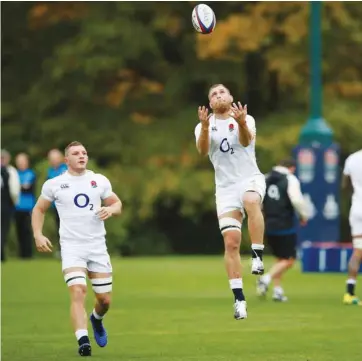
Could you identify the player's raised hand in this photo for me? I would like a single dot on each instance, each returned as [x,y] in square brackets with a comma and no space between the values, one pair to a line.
[239,113]
[104,213]
[43,244]
[204,116]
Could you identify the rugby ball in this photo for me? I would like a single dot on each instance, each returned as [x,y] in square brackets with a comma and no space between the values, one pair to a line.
[203,19]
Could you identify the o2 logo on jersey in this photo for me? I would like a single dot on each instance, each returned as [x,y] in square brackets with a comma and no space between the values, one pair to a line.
[81,200]
[225,146]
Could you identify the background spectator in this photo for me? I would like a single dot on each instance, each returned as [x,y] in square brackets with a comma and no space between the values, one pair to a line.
[25,205]
[10,190]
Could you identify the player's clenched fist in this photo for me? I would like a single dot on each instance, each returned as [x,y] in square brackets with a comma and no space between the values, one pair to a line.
[204,116]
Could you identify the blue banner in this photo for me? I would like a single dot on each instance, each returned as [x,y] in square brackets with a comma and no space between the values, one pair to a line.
[319,175]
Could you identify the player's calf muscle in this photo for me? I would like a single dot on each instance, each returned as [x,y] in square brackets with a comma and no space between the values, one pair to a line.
[354,262]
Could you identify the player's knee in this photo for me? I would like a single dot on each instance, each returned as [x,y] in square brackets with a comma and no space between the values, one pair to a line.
[104,300]
[78,293]
[357,252]
[290,262]
[232,242]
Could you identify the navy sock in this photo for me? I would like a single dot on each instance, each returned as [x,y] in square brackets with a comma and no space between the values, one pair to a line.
[350,288]
[83,340]
[238,294]
[257,253]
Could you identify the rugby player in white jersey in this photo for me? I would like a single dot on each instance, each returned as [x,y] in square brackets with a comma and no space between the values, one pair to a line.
[78,195]
[352,175]
[228,137]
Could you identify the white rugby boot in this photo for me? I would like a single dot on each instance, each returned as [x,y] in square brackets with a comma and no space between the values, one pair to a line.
[240,310]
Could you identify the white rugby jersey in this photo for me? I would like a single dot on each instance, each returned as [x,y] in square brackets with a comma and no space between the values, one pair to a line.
[232,162]
[77,199]
[353,169]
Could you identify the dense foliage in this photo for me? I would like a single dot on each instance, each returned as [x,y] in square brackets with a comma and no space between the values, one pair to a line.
[125,78]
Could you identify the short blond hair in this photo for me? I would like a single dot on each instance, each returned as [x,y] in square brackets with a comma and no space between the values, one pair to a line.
[215,86]
[72,144]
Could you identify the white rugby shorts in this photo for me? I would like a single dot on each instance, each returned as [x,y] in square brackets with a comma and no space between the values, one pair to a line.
[230,198]
[92,258]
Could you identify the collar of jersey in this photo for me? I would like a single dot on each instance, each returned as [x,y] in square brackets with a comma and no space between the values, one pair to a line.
[87,172]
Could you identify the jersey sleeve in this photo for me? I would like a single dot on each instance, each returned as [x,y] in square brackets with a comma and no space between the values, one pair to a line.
[106,188]
[347,167]
[47,191]
[197,131]
[296,196]
[250,121]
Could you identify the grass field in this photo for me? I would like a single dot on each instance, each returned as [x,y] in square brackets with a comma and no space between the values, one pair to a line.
[179,309]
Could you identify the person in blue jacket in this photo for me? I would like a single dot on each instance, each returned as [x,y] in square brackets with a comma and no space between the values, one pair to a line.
[25,205]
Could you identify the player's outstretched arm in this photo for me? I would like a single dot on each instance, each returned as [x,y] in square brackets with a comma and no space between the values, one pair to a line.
[37,221]
[239,113]
[203,141]
[112,207]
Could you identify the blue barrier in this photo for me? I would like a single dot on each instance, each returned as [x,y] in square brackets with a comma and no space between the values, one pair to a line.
[325,256]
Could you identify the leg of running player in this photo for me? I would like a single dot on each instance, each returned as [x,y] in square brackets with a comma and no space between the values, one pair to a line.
[102,287]
[252,205]
[230,227]
[75,278]
[284,249]
[276,273]
[353,267]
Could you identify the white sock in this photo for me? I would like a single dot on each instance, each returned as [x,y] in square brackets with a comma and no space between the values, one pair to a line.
[266,278]
[257,246]
[96,316]
[278,290]
[351,281]
[236,283]
[81,333]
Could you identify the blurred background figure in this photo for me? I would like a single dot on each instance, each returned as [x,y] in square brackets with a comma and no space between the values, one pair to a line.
[10,190]
[282,200]
[25,205]
[56,167]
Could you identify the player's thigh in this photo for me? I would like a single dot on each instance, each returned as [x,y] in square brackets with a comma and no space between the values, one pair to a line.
[100,275]
[253,190]
[230,224]
[76,280]
[74,268]
[357,246]
[228,200]
[356,231]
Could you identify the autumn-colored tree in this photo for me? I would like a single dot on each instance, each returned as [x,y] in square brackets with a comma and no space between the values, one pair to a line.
[125,78]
